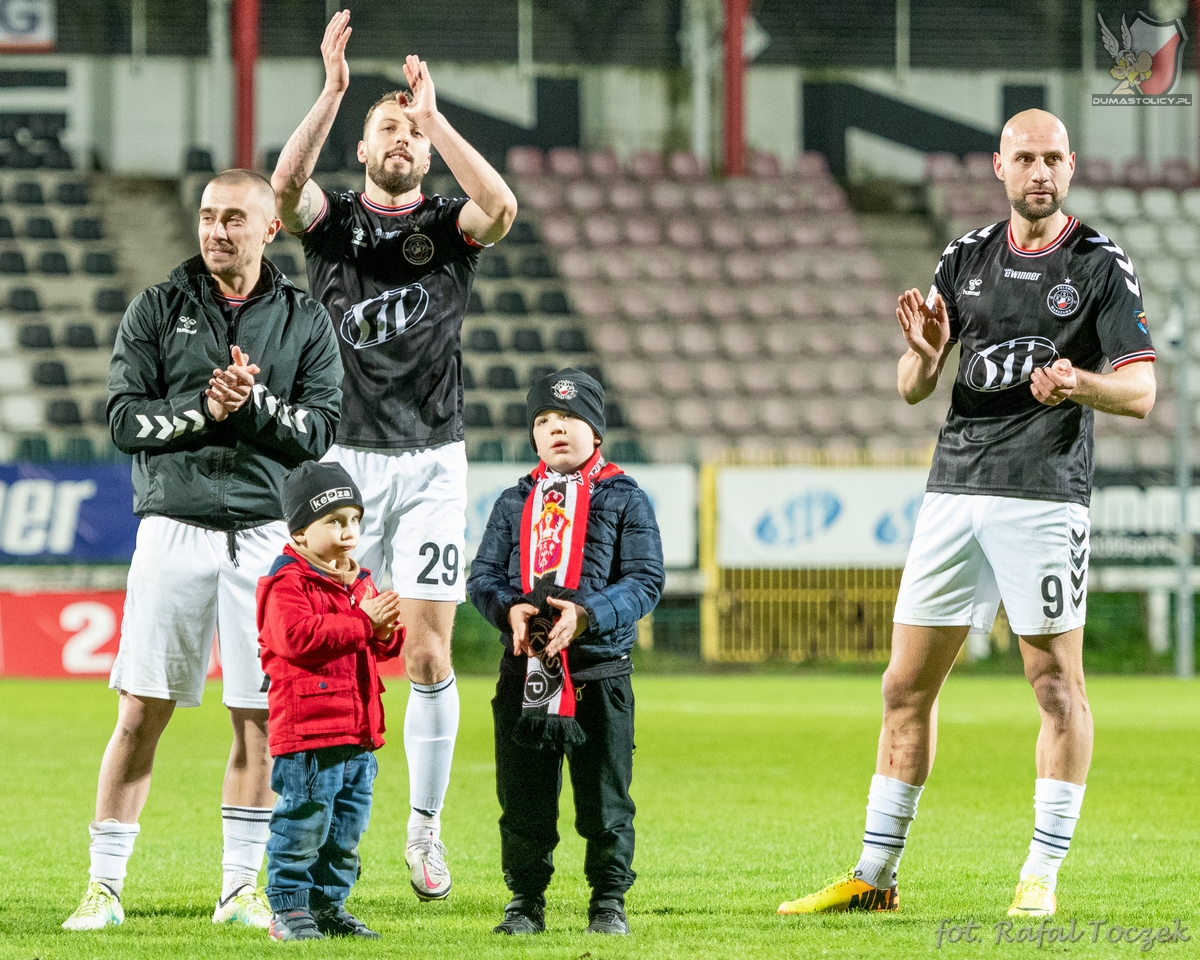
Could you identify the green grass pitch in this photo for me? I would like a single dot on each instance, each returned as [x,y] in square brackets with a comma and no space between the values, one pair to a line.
[750,790]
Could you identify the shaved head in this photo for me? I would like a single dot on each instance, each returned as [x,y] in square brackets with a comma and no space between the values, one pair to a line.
[1036,125]
[261,191]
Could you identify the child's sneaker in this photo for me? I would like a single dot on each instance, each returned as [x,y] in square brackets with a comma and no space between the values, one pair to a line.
[295,925]
[522,916]
[99,908]
[246,906]
[335,920]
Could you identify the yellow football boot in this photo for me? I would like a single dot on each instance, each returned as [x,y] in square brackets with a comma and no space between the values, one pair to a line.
[845,893]
[1034,898]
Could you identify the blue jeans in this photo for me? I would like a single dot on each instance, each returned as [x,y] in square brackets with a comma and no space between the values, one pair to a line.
[323,809]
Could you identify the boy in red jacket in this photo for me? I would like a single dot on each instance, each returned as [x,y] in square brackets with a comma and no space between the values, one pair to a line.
[322,627]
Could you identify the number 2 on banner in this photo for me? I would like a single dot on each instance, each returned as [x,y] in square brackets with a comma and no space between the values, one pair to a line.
[96,624]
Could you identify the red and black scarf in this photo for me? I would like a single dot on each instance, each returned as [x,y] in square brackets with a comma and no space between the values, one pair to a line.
[553,533]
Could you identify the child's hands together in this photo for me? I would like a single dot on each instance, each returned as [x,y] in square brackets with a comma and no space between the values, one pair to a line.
[518,620]
[384,611]
[572,621]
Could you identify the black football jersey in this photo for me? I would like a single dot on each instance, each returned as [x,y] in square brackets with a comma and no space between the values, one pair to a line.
[1012,310]
[395,281]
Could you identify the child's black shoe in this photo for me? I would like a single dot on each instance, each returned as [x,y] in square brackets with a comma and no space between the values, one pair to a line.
[522,916]
[337,921]
[607,916]
[295,925]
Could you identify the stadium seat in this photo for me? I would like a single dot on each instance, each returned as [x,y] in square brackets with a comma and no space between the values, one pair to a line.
[23,300]
[528,340]
[643,231]
[626,451]
[537,373]
[627,197]
[692,414]
[1177,173]
[685,233]
[600,230]
[620,266]
[99,412]
[781,416]
[71,194]
[668,197]
[737,415]
[561,232]
[40,228]
[1160,204]
[12,263]
[110,300]
[63,412]
[602,164]
[514,416]
[197,160]
[536,266]
[696,340]
[33,450]
[685,166]
[571,340]
[511,302]
[54,263]
[577,264]
[522,234]
[1183,239]
[477,415]
[493,266]
[942,168]
[1138,174]
[81,336]
[648,413]
[28,194]
[524,162]
[35,336]
[745,269]
[489,451]
[49,373]
[475,303]
[1097,172]
[646,164]
[553,302]
[1141,239]
[716,378]
[86,228]
[594,301]
[6,229]
[739,341]
[764,165]
[655,340]
[483,340]
[543,196]
[708,199]
[564,162]
[102,265]
[501,377]
[22,412]
[673,378]
[78,450]
[978,167]
[584,197]
[811,165]
[630,376]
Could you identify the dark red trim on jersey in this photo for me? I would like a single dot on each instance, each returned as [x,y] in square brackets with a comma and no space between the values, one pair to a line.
[468,239]
[1133,358]
[387,211]
[1058,241]
[320,216]
[233,301]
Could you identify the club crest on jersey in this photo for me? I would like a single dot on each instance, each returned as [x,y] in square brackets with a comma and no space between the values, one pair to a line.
[385,317]
[549,530]
[565,390]
[1007,364]
[972,288]
[1063,300]
[1142,323]
[418,249]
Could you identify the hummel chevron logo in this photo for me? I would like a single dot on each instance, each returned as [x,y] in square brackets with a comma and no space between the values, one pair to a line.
[173,427]
[285,413]
[1076,599]
[1077,559]
[1077,580]
[1077,537]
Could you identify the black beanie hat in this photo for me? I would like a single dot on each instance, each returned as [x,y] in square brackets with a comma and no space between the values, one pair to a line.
[314,489]
[570,391]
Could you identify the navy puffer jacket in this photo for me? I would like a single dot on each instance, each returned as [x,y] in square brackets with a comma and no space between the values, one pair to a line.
[621,581]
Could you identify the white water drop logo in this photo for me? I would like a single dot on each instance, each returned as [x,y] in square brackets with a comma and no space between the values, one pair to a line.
[1007,364]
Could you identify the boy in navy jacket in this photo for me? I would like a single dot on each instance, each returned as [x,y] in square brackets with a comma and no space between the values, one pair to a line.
[570,561]
[322,626]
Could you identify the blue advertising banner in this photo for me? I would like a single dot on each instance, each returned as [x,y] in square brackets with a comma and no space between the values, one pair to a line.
[60,513]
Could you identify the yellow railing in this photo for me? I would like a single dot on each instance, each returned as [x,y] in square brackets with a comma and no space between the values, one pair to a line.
[753,615]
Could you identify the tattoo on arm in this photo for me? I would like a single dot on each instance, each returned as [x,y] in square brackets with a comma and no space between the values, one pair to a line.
[304,213]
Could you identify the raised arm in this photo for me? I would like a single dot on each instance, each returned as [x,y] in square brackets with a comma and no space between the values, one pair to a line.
[492,208]
[927,332]
[298,199]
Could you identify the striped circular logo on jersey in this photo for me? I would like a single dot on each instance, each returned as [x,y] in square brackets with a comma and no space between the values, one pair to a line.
[1063,300]
[418,249]
[1007,364]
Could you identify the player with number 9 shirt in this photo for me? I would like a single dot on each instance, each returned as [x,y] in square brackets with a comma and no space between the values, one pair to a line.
[394,269]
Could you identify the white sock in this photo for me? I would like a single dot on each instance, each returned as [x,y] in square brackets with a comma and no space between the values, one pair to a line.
[1056,805]
[422,826]
[110,850]
[891,807]
[430,728]
[245,831]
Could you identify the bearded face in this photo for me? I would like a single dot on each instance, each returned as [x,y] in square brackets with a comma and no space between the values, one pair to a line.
[1037,205]
[395,151]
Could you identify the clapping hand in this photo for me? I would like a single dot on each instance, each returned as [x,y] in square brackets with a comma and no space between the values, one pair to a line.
[384,611]
[228,389]
[333,52]
[926,327]
[423,103]
[572,621]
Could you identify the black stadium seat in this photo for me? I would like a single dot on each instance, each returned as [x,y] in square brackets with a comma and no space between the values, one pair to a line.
[36,336]
[86,228]
[71,194]
[538,373]
[63,413]
[50,373]
[570,340]
[475,303]
[28,194]
[511,302]
[78,450]
[111,301]
[553,302]
[33,450]
[594,372]
[6,229]
[502,377]
[537,266]
[40,228]
[12,263]
[476,415]
[99,264]
[614,415]
[528,340]
[514,416]
[54,263]
[489,451]
[483,340]
[522,234]
[23,300]
[494,266]
[82,336]
[198,161]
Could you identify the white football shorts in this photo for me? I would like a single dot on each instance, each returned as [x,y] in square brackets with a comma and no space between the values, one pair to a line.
[970,552]
[415,522]
[182,586]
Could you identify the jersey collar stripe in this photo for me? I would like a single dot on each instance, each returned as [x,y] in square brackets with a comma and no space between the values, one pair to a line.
[1058,241]
[1134,358]
[320,216]
[391,211]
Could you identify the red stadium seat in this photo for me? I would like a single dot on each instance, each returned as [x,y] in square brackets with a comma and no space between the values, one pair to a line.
[668,197]
[784,340]
[1097,172]
[744,268]
[824,417]
[781,416]
[1177,173]
[524,162]
[726,235]
[541,195]
[785,201]
[744,197]
[603,164]
[648,413]
[760,379]
[811,165]
[737,415]
[763,305]
[560,231]
[831,201]
[646,164]
[707,198]
[637,306]
[680,303]
[703,267]
[666,264]
[620,266]
[601,231]
[763,164]
[979,167]
[627,197]
[717,378]
[766,235]
[942,167]
[654,340]
[787,266]
[696,340]
[594,302]
[643,232]
[1138,174]
[804,379]
[685,233]
[693,415]
[686,166]
[565,162]
[806,234]
[721,304]
[739,341]
[631,377]
[612,340]
[577,264]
